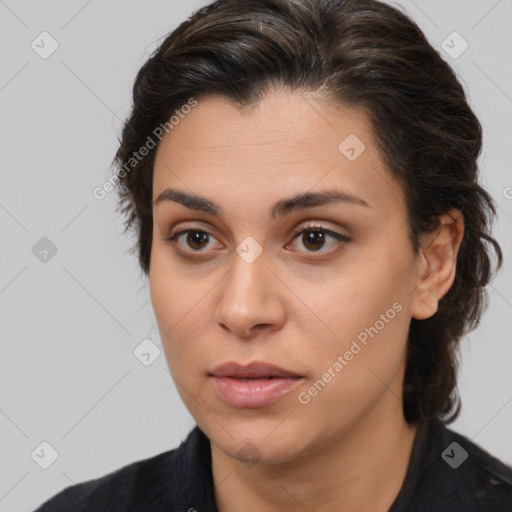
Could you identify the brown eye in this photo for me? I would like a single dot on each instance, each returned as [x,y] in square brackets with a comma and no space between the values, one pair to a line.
[196,239]
[193,240]
[315,238]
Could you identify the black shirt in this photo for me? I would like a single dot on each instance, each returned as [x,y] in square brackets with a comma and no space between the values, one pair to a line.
[446,472]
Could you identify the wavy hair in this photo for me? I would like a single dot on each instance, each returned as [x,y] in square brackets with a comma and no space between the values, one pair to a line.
[364,54]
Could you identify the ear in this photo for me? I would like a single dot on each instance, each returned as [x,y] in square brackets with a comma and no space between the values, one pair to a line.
[437,261]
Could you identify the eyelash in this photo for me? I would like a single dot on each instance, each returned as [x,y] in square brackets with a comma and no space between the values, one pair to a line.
[341,239]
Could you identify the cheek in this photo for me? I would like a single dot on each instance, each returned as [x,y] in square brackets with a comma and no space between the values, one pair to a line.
[164,290]
[169,299]
[354,370]
[368,313]
[180,303]
[364,288]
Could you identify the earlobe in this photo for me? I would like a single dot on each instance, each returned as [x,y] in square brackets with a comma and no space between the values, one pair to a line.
[437,264]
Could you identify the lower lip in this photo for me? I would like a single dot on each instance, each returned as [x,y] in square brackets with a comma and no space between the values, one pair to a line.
[253,393]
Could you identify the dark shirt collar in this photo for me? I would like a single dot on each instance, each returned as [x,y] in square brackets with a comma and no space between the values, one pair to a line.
[193,479]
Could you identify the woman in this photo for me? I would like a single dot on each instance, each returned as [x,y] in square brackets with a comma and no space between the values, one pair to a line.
[302,180]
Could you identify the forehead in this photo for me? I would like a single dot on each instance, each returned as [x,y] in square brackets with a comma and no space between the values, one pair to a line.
[286,143]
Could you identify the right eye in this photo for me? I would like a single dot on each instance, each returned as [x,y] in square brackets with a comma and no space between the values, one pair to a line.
[195,239]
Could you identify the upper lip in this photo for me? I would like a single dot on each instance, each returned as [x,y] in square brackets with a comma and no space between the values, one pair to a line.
[255,370]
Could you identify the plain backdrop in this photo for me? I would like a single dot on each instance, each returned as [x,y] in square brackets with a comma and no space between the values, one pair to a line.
[73,307]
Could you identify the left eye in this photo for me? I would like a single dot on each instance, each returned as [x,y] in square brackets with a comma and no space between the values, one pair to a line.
[314,238]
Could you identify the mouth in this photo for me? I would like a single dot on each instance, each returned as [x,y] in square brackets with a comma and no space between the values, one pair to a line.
[253,386]
[254,370]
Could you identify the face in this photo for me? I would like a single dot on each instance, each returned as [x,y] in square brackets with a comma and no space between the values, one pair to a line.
[322,288]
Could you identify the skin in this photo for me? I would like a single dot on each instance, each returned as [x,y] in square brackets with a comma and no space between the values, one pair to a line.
[349,446]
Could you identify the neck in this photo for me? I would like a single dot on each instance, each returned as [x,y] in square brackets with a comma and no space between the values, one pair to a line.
[362,468]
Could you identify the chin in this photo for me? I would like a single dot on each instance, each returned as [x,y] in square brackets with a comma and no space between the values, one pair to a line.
[253,444]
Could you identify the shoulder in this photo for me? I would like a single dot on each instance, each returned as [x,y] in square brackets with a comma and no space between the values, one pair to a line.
[175,480]
[112,491]
[149,485]
[487,479]
[466,477]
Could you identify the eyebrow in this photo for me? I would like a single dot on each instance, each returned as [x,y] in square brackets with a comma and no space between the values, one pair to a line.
[280,209]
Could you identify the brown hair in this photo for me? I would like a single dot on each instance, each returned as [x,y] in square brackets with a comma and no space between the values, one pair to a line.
[365,54]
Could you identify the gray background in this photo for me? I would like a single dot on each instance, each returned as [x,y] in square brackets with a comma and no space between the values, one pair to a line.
[69,326]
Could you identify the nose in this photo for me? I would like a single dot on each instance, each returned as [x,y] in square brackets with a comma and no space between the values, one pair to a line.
[250,302]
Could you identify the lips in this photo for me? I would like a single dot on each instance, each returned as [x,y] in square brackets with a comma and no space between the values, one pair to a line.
[255,370]
[255,385]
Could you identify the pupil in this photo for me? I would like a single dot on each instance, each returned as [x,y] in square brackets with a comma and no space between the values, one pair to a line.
[196,237]
[312,237]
